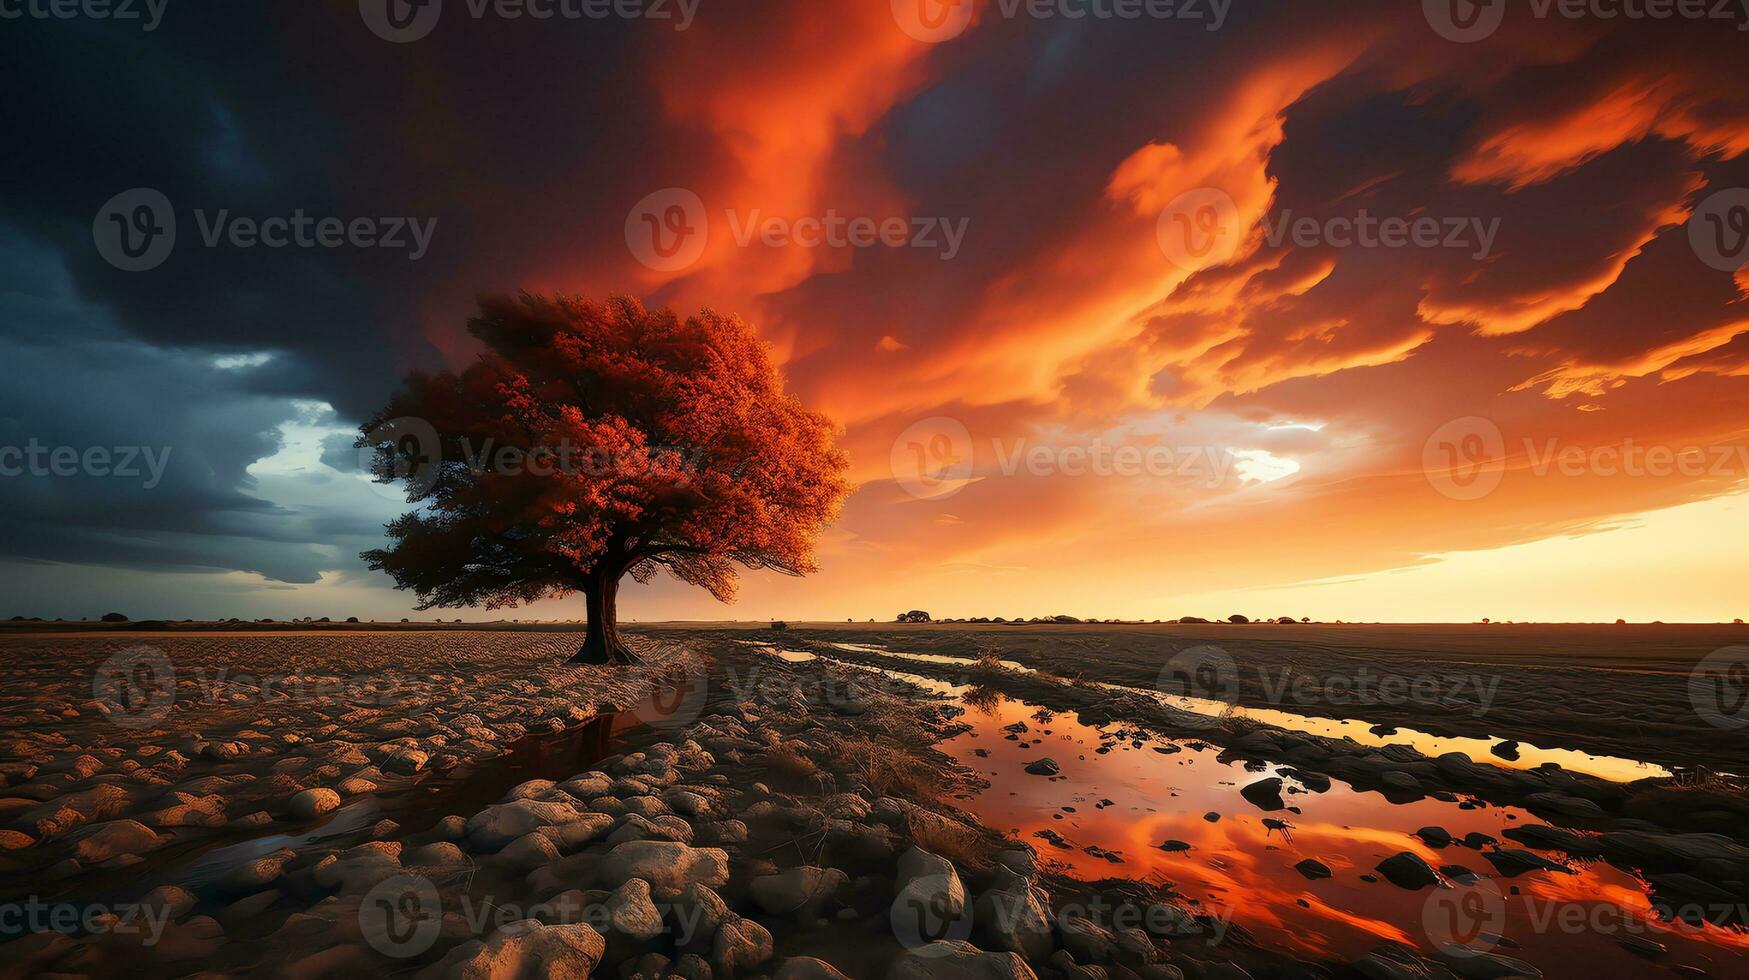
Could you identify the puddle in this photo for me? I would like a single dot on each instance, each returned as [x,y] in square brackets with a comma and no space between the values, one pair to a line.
[1237,866]
[1479,749]
[1240,869]
[928,658]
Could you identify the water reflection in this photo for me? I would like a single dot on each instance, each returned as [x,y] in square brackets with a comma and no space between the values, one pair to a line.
[1122,804]
[1480,749]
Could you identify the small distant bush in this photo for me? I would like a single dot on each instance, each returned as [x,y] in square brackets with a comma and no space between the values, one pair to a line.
[114,618]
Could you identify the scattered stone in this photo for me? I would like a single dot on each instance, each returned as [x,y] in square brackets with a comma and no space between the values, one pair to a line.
[526,949]
[741,946]
[1641,946]
[1087,940]
[168,902]
[1014,918]
[797,889]
[312,803]
[1265,794]
[631,912]
[1043,767]
[406,761]
[669,867]
[928,882]
[1399,780]
[497,825]
[1512,863]
[116,838]
[1467,961]
[1313,869]
[807,968]
[1408,870]
[529,851]
[1435,837]
[957,960]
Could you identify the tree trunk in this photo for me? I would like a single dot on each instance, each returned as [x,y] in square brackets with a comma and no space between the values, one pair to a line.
[601,644]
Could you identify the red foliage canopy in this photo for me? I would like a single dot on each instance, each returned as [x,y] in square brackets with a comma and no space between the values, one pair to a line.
[590,441]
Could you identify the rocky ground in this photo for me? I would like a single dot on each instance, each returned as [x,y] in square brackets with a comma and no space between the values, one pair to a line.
[797,832]
[757,818]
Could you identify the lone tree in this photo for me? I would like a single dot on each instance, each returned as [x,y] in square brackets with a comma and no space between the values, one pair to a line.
[592,441]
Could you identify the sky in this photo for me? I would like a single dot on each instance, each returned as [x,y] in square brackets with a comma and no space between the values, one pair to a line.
[1350,311]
